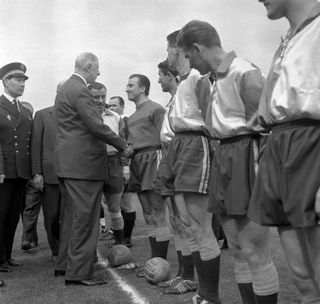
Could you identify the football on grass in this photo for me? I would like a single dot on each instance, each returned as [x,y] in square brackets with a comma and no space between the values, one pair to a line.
[157,270]
[119,255]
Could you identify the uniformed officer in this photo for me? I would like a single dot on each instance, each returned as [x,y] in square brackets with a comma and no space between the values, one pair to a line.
[15,133]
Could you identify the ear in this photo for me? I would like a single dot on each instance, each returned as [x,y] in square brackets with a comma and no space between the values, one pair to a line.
[196,47]
[143,89]
[88,67]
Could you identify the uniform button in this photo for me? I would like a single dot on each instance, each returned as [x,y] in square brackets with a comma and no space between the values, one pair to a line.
[15,136]
[28,153]
[15,144]
[17,151]
[15,130]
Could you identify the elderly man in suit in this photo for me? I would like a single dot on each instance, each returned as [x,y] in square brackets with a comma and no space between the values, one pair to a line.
[15,132]
[80,163]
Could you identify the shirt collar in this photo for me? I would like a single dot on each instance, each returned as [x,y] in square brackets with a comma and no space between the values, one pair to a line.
[226,63]
[10,98]
[108,112]
[313,15]
[81,78]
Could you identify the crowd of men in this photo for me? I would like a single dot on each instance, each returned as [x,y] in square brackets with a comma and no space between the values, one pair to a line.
[229,143]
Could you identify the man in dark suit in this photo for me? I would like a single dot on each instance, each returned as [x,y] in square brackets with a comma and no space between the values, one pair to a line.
[15,132]
[80,162]
[44,178]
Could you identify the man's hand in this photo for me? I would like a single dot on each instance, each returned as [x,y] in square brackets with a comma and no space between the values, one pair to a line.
[127,152]
[2,177]
[37,181]
[317,205]
[126,174]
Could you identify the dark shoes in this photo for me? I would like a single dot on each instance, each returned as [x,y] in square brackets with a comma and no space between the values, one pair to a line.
[59,273]
[92,282]
[5,268]
[14,263]
[2,284]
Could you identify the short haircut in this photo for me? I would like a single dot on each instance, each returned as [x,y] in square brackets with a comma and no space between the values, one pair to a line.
[121,101]
[200,32]
[96,86]
[164,67]
[143,82]
[172,38]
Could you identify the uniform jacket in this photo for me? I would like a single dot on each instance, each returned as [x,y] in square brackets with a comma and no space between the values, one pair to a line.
[81,134]
[42,144]
[15,136]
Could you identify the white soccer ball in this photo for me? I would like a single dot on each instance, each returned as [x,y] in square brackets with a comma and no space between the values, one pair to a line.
[157,270]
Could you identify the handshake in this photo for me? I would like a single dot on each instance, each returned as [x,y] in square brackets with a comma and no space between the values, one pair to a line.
[127,152]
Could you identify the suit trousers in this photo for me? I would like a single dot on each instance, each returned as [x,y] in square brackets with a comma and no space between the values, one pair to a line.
[30,213]
[12,196]
[79,228]
[52,212]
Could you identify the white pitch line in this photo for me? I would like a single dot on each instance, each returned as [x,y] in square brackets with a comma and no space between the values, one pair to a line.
[134,295]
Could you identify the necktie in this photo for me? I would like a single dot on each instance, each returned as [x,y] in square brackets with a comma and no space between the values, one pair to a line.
[15,102]
[16,109]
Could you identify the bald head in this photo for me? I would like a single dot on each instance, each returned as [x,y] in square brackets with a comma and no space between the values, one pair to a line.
[84,59]
[87,65]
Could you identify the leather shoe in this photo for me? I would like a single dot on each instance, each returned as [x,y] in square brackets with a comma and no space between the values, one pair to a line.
[59,273]
[5,268]
[14,263]
[91,282]
[2,283]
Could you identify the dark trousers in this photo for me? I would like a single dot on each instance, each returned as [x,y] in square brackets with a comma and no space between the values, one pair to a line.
[79,229]
[30,213]
[12,196]
[51,208]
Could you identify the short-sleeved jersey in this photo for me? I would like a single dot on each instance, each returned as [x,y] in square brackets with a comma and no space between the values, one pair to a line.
[235,95]
[292,89]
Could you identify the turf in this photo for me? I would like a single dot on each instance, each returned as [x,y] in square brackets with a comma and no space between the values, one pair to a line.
[34,283]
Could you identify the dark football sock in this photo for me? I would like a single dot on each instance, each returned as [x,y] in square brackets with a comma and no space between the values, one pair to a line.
[198,264]
[270,299]
[118,236]
[247,293]
[152,241]
[211,270]
[188,267]
[180,263]
[162,249]
[129,219]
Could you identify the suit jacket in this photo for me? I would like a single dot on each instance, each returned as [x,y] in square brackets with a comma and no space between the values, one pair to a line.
[15,135]
[43,140]
[81,134]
